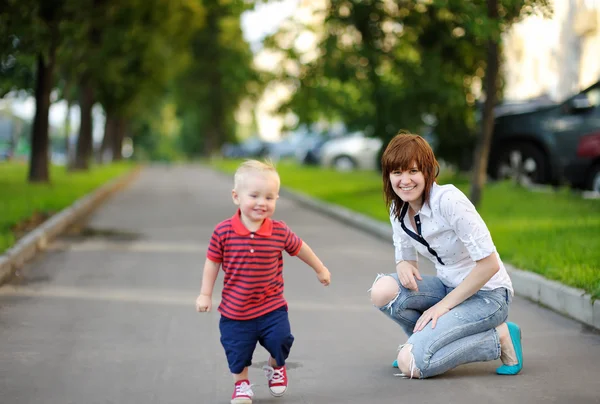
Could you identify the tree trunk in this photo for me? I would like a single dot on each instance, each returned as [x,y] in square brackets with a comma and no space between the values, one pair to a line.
[482,149]
[380,120]
[215,132]
[117,143]
[68,135]
[107,140]
[84,141]
[38,160]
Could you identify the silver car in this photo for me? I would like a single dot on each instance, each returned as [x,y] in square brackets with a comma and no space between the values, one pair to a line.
[352,152]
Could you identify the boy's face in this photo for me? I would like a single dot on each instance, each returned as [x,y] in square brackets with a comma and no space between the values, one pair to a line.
[256,196]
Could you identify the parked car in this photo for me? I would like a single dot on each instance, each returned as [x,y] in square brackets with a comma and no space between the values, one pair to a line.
[252,147]
[295,145]
[355,151]
[550,144]
[7,138]
[309,151]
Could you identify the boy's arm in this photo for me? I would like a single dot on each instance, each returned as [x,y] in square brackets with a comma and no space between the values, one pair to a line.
[209,276]
[307,255]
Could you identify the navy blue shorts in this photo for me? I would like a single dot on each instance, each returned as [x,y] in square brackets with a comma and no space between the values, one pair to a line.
[239,338]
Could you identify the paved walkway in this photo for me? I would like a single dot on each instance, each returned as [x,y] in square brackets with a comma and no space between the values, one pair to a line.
[108,317]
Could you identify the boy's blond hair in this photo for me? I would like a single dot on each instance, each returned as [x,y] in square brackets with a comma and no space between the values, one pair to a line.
[249,167]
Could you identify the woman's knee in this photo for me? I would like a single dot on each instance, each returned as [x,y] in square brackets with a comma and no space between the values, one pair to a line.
[384,290]
[406,362]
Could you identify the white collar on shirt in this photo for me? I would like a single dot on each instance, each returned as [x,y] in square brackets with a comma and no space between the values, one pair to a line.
[426,208]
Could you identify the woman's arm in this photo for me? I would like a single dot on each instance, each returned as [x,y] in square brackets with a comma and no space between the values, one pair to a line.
[472,231]
[484,270]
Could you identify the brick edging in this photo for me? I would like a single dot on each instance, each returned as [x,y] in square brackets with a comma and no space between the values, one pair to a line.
[37,239]
[571,302]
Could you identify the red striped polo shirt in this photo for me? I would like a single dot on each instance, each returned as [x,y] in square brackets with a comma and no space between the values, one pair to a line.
[253,265]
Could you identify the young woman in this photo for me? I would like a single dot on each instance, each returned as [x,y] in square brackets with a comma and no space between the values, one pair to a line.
[457,316]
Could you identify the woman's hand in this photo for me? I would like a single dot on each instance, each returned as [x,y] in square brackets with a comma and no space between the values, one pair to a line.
[432,314]
[407,273]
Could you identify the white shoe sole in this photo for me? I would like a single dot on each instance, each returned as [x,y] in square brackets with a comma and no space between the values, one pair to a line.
[241,401]
[276,394]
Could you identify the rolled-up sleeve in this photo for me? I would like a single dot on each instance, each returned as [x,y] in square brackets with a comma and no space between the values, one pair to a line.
[468,225]
[404,250]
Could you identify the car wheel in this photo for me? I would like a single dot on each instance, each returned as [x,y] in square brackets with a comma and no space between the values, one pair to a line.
[594,179]
[522,160]
[344,163]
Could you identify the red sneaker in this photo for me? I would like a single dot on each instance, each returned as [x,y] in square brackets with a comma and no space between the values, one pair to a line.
[278,381]
[242,393]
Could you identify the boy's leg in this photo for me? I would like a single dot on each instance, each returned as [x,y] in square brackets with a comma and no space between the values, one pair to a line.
[277,338]
[243,375]
[239,341]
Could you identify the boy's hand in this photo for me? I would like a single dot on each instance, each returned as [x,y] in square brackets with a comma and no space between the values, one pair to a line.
[324,276]
[203,303]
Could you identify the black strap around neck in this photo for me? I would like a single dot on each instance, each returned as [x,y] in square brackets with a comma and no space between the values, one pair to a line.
[418,237]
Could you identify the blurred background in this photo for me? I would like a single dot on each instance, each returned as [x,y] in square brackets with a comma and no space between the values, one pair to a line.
[500,88]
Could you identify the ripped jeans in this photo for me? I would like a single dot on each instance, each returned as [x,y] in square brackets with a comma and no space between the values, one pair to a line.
[463,335]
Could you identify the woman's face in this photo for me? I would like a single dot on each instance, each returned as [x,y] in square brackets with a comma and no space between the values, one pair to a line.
[409,184]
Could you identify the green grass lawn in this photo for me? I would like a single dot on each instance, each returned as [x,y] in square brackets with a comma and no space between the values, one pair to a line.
[21,201]
[554,234]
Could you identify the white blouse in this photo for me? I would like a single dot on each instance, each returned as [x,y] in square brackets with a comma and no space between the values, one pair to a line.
[455,232]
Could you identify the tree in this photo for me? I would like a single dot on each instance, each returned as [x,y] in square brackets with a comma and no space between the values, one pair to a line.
[501,15]
[385,66]
[145,46]
[49,14]
[219,76]
[17,58]
[32,30]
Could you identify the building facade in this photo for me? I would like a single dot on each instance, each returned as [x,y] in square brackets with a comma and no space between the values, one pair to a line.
[554,57]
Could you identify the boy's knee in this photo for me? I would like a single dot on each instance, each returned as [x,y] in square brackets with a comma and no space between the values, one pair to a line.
[238,360]
[384,290]
[278,342]
[284,342]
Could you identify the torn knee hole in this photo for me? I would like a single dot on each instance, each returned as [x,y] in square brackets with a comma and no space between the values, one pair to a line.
[406,362]
[384,291]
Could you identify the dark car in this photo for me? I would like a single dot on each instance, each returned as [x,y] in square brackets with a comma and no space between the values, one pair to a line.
[551,144]
[252,147]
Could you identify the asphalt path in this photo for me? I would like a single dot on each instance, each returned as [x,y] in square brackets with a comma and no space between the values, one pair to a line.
[107,315]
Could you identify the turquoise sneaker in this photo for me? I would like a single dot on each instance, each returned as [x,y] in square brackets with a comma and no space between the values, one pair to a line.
[395,364]
[515,336]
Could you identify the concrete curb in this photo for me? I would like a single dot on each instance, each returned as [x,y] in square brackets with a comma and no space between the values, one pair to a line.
[568,301]
[36,240]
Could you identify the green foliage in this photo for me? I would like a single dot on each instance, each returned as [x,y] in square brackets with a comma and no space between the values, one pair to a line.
[138,56]
[385,66]
[20,200]
[29,28]
[157,137]
[554,234]
[219,76]
[212,79]
[17,59]
[143,46]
